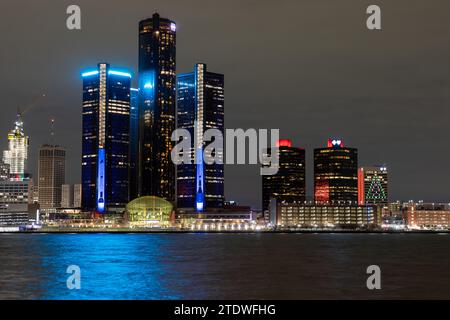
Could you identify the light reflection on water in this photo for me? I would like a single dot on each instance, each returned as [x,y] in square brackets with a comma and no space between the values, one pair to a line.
[223,266]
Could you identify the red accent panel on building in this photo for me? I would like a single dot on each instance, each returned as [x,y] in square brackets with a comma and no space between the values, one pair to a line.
[322,192]
[329,143]
[361,196]
[284,143]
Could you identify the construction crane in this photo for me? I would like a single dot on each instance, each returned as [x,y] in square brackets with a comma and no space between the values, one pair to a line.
[35,101]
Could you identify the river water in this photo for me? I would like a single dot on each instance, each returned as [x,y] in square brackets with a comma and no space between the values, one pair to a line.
[224,266]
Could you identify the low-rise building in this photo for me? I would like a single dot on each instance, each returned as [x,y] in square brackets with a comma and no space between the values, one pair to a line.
[428,215]
[309,215]
[230,217]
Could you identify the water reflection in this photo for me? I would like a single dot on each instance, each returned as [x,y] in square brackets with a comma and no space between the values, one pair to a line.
[223,266]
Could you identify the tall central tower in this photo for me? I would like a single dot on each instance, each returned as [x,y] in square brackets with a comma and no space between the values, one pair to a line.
[157,95]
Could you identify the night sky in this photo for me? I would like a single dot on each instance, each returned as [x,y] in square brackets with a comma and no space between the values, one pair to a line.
[309,68]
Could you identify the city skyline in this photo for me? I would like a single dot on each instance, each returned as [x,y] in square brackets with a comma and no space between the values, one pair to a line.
[403,131]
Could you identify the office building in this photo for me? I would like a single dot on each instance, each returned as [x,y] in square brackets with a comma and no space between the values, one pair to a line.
[304,215]
[17,154]
[14,192]
[373,185]
[67,196]
[157,97]
[200,107]
[428,215]
[71,196]
[16,185]
[335,174]
[77,195]
[51,172]
[4,171]
[106,139]
[289,182]
[15,198]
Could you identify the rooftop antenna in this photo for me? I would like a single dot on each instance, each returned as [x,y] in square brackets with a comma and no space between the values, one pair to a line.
[52,127]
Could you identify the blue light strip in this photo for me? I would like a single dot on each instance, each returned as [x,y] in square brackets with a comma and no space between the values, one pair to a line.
[200,174]
[200,196]
[90,73]
[101,199]
[119,73]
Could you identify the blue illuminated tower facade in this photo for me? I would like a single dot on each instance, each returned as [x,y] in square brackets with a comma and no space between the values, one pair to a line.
[200,107]
[106,139]
[157,97]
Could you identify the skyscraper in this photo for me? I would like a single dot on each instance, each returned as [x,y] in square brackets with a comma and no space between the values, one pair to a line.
[106,139]
[51,172]
[17,154]
[200,102]
[289,182]
[134,143]
[15,184]
[373,185]
[157,94]
[335,174]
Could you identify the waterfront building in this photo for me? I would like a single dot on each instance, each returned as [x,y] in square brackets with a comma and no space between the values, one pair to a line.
[148,212]
[428,215]
[373,185]
[222,220]
[335,174]
[14,201]
[157,98]
[309,215]
[106,139]
[200,107]
[289,182]
[14,217]
[51,174]
[17,154]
